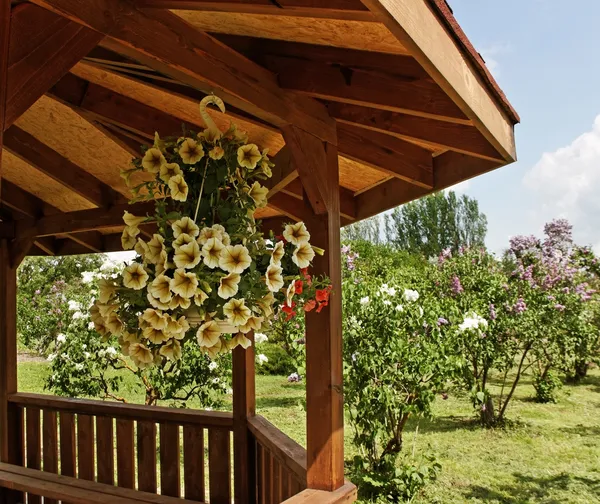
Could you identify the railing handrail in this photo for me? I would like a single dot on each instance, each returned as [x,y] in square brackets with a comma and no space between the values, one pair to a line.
[343,495]
[284,448]
[161,414]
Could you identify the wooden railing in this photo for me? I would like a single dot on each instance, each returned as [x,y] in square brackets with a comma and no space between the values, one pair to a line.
[118,444]
[280,463]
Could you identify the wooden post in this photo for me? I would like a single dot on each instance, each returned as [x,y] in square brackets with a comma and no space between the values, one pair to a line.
[324,400]
[244,406]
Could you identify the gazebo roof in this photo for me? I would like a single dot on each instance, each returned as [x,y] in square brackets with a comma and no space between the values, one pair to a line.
[396,85]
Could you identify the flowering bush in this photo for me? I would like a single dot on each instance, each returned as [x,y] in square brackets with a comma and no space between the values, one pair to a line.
[208,273]
[396,359]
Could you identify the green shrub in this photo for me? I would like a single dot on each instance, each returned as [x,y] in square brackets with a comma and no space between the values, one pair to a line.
[279,361]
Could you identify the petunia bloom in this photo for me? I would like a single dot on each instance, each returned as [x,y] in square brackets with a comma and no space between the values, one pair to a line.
[296,233]
[190,151]
[237,312]
[258,193]
[169,170]
[160,288]
[273,278]
[187,256]
[155,318]
[248,156]
[211,251]
[185,225]
[234,259]
[228,286]
[128,238]
[135,276]
[277,254]
[171,350]
[303,255]
[184,283]
[179,188]
[131,220]
[208,334]
[153,160]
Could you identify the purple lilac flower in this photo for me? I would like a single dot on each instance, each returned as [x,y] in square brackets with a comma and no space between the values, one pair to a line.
[521,244]
[493,314]
[38,291]
[444,254]
[442,321]
[345,249]
[456,287]
[520,306]
[559,307]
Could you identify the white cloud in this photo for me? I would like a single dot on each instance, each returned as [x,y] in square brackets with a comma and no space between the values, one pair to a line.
[567,182]
[461,187]
[490,55]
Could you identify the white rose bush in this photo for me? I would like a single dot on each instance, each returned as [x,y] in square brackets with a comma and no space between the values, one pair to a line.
[207,273]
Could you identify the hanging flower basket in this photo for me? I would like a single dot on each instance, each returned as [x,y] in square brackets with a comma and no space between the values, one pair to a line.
[207,272]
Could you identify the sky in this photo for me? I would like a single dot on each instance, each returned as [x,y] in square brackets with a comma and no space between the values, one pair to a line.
[544,55]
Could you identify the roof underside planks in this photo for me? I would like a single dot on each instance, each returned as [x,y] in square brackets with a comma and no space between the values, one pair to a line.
[394,84]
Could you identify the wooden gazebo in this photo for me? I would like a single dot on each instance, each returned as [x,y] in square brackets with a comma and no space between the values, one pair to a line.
[366,104]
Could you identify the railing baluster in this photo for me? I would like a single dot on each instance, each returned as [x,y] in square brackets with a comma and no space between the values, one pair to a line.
[125,454]
[219,466]
[67,444]
[193,462]
[105,450]
[169,460]
[34,449]
[50,446]
[85,447]
[146,453]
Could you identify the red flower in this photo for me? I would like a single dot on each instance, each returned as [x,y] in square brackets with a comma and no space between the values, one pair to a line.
[306,276]
[310,305]
[298,286]
[280,238]
[322,295]
[321,306]
[289,310]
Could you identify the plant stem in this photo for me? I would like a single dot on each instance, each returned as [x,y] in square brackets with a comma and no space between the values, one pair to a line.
[201,189]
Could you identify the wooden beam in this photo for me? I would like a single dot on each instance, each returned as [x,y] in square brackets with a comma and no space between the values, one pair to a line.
[384,81]
[324,377]
[82,220]
[442,135]
[171,46]
[284,172]
[347,199]
[36,153]
[449,169]
[5,10]
[308,158]
[244,408]
[350,10]
[290,207]
[43,47]
[419,29]
[387,154]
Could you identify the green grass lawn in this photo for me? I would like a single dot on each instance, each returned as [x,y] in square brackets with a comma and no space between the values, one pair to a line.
[551,454]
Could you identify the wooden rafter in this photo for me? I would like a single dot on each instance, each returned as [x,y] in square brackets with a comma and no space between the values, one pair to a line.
[382,81]
[351,10]
[418,28]
[43,47]
[168,44]
[43,158]
[448,169]
[347,199]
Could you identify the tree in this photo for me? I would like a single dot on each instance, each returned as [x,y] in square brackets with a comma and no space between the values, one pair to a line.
[435,223]
[369,230]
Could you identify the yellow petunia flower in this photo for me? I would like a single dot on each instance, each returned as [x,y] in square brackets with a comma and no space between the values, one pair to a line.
[253,324]
[169,170]
[179,302]
[140,354]
[239,340]
[303,255]
[156,303]
[155,246]
[182,239]
[278,253]
[171,350]
[234,259]
[128,238]
[199,297]
[187,256]
[114,324]
[228,286]
[289,293]
[178,327]
[106,290]
[160,288]
[185,225]
[266,304]
[237,312]
[190,151]
[141,248]
[296,233]
[179,188]
[216,153]
[248,156]
[217,231]
[208,334]
[162,263]
[211,251]
[135,276]
[184,283]
[210,135]
[153,160]
[216,349]
[273,278]
[131,220]
[156,336]
[258,193]
[155,318]
[106,309]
